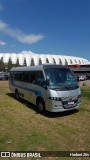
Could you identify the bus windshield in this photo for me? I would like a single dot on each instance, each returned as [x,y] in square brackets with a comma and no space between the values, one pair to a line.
[60,77]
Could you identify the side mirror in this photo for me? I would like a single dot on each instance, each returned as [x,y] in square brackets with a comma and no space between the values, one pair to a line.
[47,81]
[77,78]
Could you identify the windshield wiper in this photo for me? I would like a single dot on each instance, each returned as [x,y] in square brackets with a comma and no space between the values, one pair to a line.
[71,87]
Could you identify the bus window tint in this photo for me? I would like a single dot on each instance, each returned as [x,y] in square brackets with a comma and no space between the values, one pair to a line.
[39,79]
[20,75]
[32,76]
[26,76]
[15,76]
[60,76]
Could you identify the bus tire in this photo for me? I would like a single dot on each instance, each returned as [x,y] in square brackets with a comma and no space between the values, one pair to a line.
[41,106]
[16,94]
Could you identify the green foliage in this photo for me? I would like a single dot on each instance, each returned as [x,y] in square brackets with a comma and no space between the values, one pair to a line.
[2,65]
[6,67]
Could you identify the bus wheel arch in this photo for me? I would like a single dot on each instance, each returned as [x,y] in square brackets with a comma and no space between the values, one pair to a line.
[40,104]
[16,94]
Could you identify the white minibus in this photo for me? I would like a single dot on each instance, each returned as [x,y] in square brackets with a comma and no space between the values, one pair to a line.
[50,87]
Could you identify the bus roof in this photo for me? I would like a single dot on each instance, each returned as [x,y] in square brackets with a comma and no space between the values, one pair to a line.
[37,67]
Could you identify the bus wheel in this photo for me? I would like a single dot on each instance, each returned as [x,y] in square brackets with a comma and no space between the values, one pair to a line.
[41,106]
[16,94]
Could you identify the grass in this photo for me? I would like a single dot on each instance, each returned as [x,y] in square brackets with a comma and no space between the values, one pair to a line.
[22,128]
[85,88]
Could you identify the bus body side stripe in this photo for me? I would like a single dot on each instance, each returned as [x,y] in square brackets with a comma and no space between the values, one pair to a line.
[38,93]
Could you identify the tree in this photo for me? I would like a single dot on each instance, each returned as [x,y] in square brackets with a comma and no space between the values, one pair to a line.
[2,65]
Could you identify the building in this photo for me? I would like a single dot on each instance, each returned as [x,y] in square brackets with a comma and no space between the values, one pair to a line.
[79,65]
[30,58]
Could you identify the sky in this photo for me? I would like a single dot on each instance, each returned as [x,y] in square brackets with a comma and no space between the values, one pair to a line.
[45,27]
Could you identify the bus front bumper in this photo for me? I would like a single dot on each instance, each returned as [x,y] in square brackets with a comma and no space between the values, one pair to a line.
[58,106]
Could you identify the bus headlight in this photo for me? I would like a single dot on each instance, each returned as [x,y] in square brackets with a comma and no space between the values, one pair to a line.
[79,98]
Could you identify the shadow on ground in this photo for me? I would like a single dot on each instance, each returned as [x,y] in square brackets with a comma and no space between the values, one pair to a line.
[47,113]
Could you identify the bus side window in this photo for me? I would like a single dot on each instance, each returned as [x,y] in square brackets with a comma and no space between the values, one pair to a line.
[39,79]
[40,74]
[20,75]
[11,75]
[26,76]
[32,77]
[15,76]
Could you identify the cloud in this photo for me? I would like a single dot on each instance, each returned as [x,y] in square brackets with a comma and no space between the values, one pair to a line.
[20,35]
[2,43]
[1,7]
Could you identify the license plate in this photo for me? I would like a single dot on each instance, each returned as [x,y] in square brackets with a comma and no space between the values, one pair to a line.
[70,103]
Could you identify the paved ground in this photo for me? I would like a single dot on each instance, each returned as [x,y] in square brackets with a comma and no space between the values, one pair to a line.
[87,82]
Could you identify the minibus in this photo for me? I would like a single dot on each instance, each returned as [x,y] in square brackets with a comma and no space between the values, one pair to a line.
[50,87]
